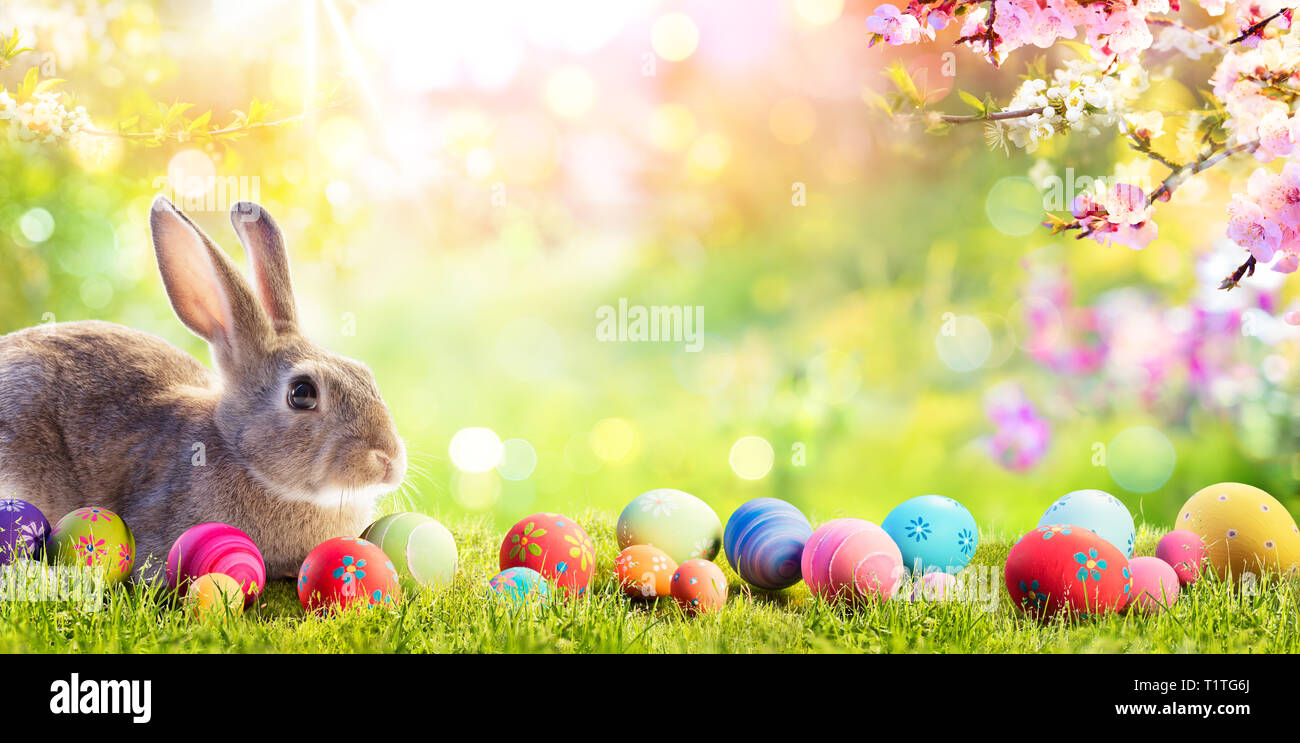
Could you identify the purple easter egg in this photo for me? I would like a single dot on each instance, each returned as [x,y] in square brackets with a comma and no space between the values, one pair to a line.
[23,531]
[1184,550]
[1155,585]
[851,559]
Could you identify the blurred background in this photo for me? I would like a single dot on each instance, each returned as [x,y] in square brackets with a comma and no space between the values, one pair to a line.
[464,187]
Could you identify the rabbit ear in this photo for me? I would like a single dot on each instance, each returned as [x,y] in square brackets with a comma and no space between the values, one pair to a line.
[206,289]
[264,244]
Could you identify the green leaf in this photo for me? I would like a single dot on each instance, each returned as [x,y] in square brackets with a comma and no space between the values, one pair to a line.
[972,101]
[902,80]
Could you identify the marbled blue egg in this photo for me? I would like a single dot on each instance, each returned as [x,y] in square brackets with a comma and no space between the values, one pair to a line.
[23,530]
[933,533]
[1097,511]
[764,542]
[519,585]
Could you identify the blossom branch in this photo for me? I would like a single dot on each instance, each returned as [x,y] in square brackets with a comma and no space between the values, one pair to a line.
[1258,27]
[1204,162]
[1244,270]
[995,116]
[1173,23]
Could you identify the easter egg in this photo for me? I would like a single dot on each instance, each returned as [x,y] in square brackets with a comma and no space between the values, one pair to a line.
[644,572]
[519,585]
[553,545]
[97,538]
[216,548]
[1097,511]
[851,559]
[764,542]
[215,596]
[1067,568]
[23,531]
[1155,585]
[699,586]
[347,573]
[1184,550]
[936,586]
[1245,530]
[421,548]
[933,533]
[676,522]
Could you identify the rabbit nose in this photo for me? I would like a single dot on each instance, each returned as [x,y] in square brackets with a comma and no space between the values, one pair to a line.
[384,461]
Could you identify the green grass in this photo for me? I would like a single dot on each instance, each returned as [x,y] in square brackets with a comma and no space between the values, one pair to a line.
[1209,617]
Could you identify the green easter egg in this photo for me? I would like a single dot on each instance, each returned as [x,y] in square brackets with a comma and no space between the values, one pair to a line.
[420,547]
[97,538]
[676,522]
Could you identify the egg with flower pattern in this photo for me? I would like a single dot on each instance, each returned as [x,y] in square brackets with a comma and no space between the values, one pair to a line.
[1244,530]
[699,587]
[644,572]
[674,521]
[23,531]
[347,573]
[933,533]
[1066,568]
[96,538]
[555,546]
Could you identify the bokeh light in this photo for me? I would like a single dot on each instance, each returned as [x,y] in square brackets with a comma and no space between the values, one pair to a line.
[751,457]
[1014,206]
[475,449]
[963,343]
[570,92]
[1141,459]
[674,36]
[518,459]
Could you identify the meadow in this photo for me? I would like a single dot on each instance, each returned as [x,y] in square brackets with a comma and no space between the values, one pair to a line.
[1209,617]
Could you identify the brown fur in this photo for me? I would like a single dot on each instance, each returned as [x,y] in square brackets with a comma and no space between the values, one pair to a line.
[93,413]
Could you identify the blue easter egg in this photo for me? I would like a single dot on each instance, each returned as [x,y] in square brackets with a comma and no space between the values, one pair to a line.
[1097,511]
[519,585]
[764,542]
[933,533]
[23,530]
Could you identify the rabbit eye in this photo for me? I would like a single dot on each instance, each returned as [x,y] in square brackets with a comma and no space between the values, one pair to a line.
[302,395]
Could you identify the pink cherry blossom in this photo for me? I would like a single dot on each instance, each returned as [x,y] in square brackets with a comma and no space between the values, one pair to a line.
[1252,230]
[893,26]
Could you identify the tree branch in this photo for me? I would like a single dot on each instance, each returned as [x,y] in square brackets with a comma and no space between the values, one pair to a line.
[996,116]
[1257,27]
[1204,162]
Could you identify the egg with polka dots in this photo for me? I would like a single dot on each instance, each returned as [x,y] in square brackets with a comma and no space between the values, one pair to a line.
[1245,530]
[699,587]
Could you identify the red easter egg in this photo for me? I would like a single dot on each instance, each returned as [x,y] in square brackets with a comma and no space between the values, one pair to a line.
[851,559]
[347,572]
[216,548]
[1184,550]
[1067,568]
[553,545]
[699,586]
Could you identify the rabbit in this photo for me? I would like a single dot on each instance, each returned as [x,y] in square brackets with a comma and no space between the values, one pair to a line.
[286,441]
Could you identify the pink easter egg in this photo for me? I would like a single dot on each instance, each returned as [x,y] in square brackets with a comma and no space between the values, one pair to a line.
[216,548]
[936,587]
[1155,585]
[851,558]
[1184,550]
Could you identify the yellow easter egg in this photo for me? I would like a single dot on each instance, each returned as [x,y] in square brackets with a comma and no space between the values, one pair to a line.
[215,595]
[1245,530]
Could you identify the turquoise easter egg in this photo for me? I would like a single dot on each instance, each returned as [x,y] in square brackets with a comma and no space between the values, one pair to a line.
[933,533]
[519,586]
[1097,511]
[421,548]
[674,521]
